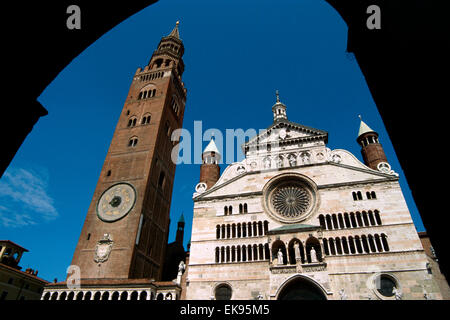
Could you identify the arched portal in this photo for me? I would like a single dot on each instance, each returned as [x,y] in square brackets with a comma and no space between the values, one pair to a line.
[301,288]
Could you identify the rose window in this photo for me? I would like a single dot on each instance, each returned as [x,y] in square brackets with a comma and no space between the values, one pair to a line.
[291,201]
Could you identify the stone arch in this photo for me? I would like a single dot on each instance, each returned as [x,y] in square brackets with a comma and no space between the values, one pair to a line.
[301,287]
[310,243]
[279,245]
[291,251]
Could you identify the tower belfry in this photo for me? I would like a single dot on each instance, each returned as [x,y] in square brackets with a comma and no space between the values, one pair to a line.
[279,109]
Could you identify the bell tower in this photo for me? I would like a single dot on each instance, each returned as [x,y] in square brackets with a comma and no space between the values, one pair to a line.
[371,149]
[126,228]
[210,169]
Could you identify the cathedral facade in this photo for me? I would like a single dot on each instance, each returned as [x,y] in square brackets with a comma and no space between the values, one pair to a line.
[296,220]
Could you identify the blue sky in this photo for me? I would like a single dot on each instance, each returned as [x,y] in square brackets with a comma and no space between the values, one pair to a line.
[237,53]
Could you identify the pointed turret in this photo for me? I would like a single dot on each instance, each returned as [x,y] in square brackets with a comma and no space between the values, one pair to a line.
[210,169]
[371,149]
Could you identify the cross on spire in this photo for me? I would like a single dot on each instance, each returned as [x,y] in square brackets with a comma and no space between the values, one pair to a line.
[278,95]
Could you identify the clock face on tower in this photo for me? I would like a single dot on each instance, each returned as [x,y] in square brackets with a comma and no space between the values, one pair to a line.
[116,202]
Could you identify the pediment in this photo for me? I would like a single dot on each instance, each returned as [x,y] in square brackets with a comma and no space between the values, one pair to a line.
[286,131]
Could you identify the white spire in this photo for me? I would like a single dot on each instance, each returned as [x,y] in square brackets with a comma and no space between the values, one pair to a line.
[211,147]
[363,128]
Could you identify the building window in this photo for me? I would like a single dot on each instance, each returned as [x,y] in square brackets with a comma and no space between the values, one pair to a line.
[161,179]
[132,122]
[146,119]
[386,285]
[132,142]
[223,292]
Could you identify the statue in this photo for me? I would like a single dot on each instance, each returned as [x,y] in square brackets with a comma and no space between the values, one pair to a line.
[297,250]
[398,294]
[342,294]
[181,267]
[292,161]
[267,163]
[313,255]
[280,256]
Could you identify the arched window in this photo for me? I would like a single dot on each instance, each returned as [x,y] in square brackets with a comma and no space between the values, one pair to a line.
[249,226]
[79,296]
[260,228]
[223,292]
[358,218]
[223,231]
[249,253]
[255,229]
[373,195]
[225,210]
[244,253]
[365,218]
[344,245]
[341,221]
[217,232]
[358,244]
[228,231]
[335,223]
[332,247]
[146,119]
[371,243]
[353,220]
[371,218]
[384,241]
[233,230]
[239,229]
[325,246]
[338,245]
[351,245]
[368,195]
[238,253]
[133,142]
[359,195]
[105,295]
[228,253]
[266,227]
[115,295]
[355,197]
[161,179]
[365,244]
[222,254]
[233,254]
[329,225]
[322,221]
[245,208]
[378,243]
[63,296]
[377,217]
[230,210]
[217,254]
[261,252]
[255,252]
[347,220]
[131,122]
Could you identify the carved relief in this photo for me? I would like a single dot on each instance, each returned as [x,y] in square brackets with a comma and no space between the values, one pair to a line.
[103,248]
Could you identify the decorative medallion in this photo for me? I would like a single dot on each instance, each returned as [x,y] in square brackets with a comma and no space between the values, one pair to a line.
[201,187]
[103,248]
[116,202]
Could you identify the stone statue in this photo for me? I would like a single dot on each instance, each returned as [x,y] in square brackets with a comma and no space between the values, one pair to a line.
[280,257]
[342,294]
[313,255]
[267,163]
[292,161]
[181,267]
[398,294]
[297,250]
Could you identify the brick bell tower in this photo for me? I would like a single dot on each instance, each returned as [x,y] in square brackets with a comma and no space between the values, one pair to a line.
[210,169]
[371,149]
[126,228]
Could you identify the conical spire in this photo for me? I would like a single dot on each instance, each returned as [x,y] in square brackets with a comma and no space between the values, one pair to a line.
[181,218]
[175,33]
[211,147]
[363,128]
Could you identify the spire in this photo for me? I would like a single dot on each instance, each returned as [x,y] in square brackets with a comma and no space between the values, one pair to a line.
[175,33]
[211,147]
[363,128]
[279,109]
[181,218]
